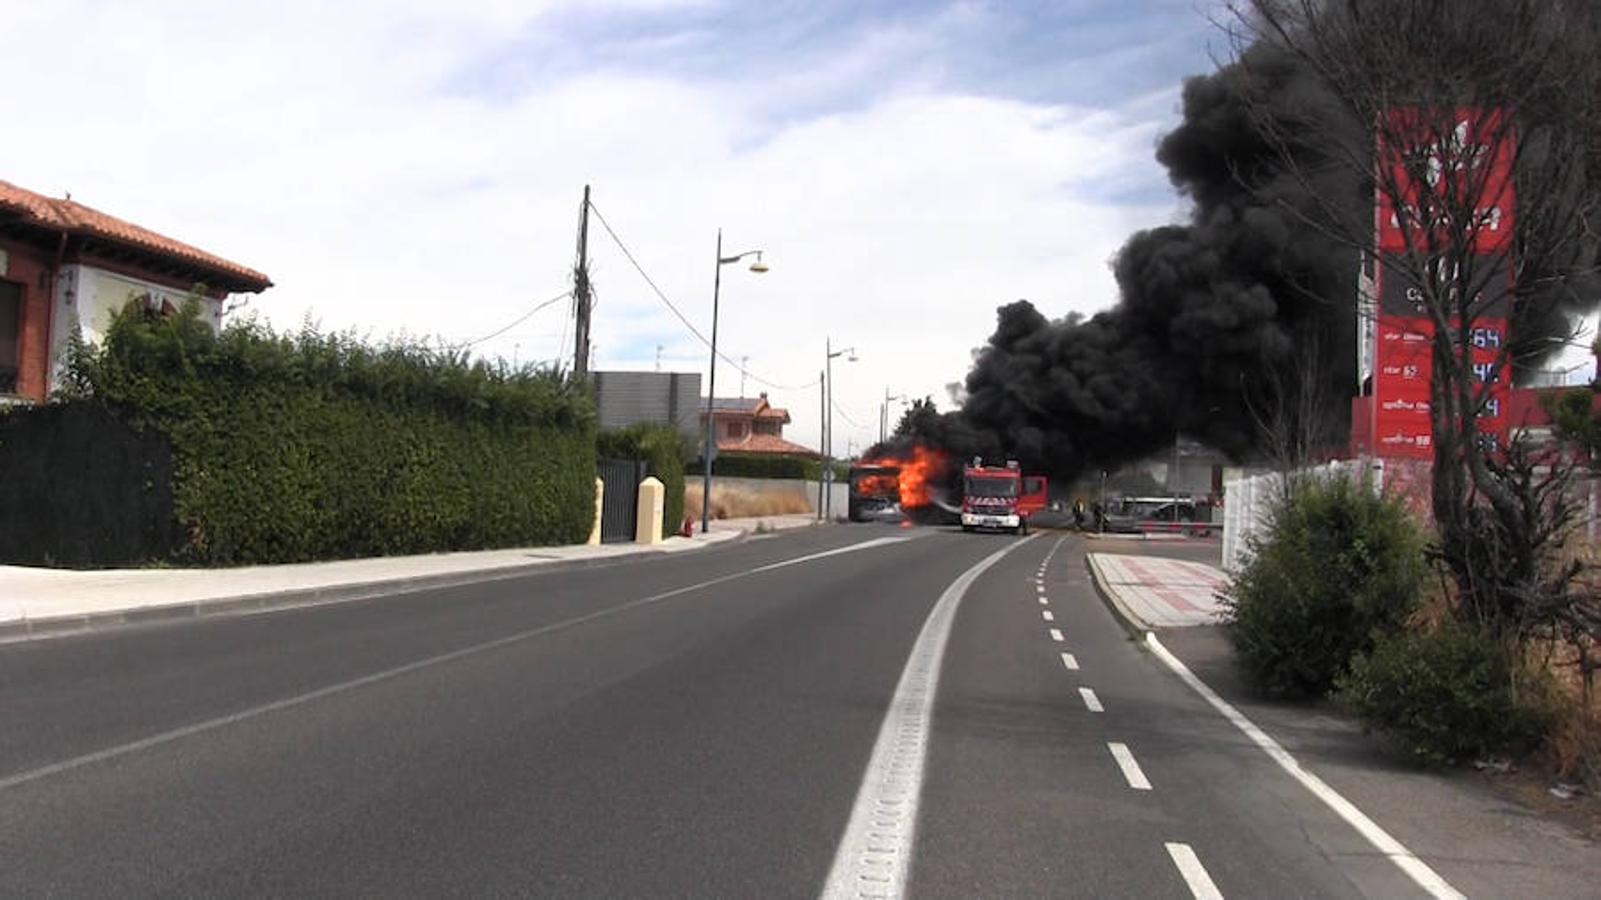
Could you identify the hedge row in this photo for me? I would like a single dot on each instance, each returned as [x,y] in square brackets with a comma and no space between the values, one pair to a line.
[293,447]
[662,449]
[753,465]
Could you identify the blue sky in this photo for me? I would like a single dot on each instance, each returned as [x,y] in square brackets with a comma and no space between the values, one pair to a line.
[415,166]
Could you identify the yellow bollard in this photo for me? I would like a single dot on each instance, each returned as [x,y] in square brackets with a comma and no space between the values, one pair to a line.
[652,506]
[600,496]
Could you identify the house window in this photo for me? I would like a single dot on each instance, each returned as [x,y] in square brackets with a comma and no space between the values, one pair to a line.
[10,335]
[736,429]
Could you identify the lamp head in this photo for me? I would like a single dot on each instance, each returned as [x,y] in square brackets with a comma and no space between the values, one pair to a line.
[758,266]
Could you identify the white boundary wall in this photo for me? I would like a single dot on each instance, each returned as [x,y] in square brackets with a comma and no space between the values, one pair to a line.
[1246,501]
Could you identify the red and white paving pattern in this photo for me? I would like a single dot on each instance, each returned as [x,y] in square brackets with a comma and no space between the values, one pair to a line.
[1161,593]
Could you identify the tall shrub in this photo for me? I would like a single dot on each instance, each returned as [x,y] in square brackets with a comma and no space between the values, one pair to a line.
[1338,567]
[290,447]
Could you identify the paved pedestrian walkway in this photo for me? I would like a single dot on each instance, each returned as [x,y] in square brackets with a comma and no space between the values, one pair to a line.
[1159,592]
[35,600]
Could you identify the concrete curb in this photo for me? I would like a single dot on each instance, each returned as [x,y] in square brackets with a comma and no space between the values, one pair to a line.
[1136,627]
[246,604]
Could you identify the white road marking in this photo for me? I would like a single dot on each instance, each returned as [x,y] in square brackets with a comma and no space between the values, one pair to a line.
[1201,885]
[875,853]
[1131,769]
[1090,700]
[864,545]
[1397,852]
[1040,588]
[1047,615]
[176,734]
[1070,661]
[1056,635]
[1044,601]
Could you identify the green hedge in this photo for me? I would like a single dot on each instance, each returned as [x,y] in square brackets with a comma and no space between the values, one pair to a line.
[292,447]
[662,449]
[761,465]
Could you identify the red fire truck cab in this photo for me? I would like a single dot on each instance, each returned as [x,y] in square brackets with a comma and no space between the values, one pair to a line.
[1000,497]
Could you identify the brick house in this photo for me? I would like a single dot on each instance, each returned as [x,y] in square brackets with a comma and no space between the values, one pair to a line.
[752,426]
[65,265]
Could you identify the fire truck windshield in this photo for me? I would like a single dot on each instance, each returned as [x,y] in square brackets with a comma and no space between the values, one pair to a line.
[990,486]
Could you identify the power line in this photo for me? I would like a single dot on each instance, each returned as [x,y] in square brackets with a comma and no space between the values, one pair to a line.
[684,319]
[518,321]
[846,416]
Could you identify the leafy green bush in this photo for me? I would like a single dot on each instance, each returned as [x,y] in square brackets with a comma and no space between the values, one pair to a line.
[759,465]
[1338,567]
[662,448]
[1447,695]
[291,447]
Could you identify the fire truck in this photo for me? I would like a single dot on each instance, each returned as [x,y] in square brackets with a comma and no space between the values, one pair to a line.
[1000,497]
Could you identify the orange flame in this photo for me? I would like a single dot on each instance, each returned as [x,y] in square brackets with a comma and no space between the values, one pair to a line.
[920,471]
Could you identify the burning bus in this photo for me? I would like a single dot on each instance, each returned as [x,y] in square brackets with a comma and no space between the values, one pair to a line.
[874,492]
[898,485]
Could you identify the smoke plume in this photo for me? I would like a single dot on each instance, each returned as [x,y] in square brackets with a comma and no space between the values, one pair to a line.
[1221,320]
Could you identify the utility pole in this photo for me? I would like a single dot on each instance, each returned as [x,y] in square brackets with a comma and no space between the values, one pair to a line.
[822,434]
[581,294]
[659,349]
[744,363]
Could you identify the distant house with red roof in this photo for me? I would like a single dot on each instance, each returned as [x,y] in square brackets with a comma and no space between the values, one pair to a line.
[64,265]
[752,426]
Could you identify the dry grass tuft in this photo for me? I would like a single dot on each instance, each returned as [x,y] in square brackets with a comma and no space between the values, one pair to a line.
[736,503]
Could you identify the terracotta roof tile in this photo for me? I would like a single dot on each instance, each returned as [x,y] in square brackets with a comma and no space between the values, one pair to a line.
[763,443]
[72,217]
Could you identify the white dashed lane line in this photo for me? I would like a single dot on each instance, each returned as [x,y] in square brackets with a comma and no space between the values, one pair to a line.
[1091,702]
[1044,600]
[1131,769]
[1047,615]
[1070,661]
[1056,635]
[1189,865]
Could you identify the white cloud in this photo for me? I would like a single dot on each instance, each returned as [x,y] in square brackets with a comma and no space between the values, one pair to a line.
[314,141]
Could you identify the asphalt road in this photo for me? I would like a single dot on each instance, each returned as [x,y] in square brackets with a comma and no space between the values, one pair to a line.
[697,725]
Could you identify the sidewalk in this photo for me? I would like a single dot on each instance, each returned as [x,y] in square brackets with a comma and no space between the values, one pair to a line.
[1154,592]
[40,601]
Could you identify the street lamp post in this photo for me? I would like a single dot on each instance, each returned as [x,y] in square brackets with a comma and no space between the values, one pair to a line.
[883,414]
[828,420]
[710,451]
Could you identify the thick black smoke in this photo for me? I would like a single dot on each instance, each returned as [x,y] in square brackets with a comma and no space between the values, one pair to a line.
[1221,321]
[1214,315]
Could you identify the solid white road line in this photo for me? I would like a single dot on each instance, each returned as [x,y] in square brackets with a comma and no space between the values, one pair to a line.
[1131,769]
[864,545]
[1070,661]
[1056,635]
[1397,852]
[1047,615]
[1201,885]
[875,854]
[1090,700]
[167,737]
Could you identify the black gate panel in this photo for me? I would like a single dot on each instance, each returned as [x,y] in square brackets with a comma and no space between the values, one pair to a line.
[620,504]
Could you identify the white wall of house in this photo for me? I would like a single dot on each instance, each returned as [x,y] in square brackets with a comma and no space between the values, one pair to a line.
[86,298]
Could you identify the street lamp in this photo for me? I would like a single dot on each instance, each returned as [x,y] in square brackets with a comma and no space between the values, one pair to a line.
[883,414]
[828,420]
[711,384]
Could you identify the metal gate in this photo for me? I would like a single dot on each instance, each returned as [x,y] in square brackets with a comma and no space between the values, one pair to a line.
[620,504]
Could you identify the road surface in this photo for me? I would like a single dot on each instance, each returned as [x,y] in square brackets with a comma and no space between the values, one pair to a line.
[712,724]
